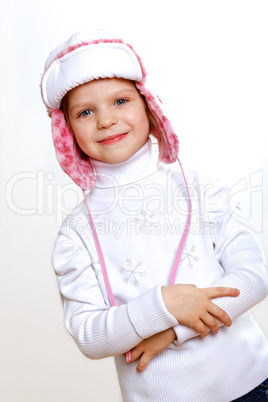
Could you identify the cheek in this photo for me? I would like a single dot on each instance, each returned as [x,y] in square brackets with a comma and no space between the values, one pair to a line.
[82,133]
[83,138]
[145,124]
[140,121]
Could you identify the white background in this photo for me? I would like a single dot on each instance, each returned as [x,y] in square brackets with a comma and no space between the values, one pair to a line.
[209,61]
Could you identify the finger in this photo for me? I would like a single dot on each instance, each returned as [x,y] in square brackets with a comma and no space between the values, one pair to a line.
[144,360]
[210,322]
[199,327]
[219,313]
[215,292]
[136,353]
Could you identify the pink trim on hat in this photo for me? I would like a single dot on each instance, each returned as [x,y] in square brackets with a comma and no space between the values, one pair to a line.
[69,154]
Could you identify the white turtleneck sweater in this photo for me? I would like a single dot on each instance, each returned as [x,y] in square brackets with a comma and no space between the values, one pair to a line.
[139,209]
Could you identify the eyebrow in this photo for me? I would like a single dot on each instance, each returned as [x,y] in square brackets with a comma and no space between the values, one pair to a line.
[115,94]
[78,106]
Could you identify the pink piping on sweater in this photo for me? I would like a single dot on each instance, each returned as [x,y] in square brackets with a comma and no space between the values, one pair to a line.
[177,257]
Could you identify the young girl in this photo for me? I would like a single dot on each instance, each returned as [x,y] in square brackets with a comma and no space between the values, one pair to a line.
[139,262]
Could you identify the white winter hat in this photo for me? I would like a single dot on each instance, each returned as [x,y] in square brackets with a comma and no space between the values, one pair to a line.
[79,60]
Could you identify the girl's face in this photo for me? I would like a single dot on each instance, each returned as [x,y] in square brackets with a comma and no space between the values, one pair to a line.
[109,120]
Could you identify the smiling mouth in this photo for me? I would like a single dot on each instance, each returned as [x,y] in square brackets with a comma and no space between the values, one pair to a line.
[113,139]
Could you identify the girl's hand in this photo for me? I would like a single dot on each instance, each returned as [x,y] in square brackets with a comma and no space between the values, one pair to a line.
[193,307]
[151,347]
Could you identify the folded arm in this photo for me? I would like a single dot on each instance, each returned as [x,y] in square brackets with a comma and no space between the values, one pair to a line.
[237,249]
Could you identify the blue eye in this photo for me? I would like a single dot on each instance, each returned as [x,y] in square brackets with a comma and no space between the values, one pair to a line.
[120,102]
[86,112]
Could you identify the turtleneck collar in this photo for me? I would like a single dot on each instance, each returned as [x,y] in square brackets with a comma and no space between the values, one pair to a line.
[139,166]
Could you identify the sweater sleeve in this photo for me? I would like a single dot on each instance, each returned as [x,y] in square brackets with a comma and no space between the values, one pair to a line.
[237,248]
[98,329]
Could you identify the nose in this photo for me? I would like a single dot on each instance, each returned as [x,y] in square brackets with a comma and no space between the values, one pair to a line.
[106,118]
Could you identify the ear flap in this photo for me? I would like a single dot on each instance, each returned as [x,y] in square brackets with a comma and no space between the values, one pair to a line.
[69,155]
[168,152]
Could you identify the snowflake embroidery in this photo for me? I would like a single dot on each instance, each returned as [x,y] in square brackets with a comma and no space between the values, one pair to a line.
[131,272]
[193,187]
[143,219]
[188,256]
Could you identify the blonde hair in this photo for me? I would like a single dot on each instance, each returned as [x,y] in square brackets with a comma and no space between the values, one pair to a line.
[155,130]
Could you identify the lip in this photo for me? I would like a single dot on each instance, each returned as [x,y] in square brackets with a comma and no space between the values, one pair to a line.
[113,139]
